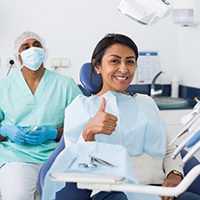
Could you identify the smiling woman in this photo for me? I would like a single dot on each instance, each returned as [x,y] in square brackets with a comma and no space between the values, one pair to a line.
[117,68]
[115,59]
[118,118]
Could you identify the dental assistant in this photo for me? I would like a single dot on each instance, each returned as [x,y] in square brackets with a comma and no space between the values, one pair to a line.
[32,104]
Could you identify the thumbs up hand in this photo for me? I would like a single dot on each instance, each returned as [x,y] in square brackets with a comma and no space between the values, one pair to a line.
[101,123]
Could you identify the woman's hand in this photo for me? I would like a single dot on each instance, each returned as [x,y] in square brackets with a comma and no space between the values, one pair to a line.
[102,123]
[172,181]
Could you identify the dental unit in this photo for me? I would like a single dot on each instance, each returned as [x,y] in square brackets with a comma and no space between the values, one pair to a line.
[192,126]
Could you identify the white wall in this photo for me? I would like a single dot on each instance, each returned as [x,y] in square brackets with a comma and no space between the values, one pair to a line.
[189,56]
[72,29]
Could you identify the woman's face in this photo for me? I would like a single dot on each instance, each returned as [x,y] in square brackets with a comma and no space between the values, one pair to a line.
[117,68]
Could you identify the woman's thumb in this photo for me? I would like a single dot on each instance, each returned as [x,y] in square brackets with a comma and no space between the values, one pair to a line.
[103,105]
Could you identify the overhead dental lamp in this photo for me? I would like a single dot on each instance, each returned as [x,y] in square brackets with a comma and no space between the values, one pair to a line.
[147,12]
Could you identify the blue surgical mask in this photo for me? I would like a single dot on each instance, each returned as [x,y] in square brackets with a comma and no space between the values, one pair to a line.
[33,57]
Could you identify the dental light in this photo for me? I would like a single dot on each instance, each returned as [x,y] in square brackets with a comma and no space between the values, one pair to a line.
[147,12]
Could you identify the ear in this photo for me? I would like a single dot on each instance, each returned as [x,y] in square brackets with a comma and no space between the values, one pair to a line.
[19,58]
[96,66]
[93,62]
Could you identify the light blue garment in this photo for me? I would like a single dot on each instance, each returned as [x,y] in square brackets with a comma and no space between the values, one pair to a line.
[33,58]
[18,106]
[70,158]
[139,128]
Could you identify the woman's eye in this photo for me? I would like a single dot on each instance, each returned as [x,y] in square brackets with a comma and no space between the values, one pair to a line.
[131,62]
[115,61]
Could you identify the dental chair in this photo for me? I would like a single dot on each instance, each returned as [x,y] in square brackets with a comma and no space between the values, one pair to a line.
[70,191]
[195,186]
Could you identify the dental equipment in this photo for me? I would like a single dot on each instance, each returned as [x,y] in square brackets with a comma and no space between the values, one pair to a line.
[192,126]
[186,127]
[183,143]
[149,12]
[33,128]
[145,11]
[11,62]
[110,183]
[153,91]
[189,155]
[92,164]
[103,162]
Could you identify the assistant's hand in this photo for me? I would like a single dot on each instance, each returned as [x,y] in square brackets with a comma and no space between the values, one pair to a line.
[171,181]
[193,140]
[102,122]
[42,134]
[15,133]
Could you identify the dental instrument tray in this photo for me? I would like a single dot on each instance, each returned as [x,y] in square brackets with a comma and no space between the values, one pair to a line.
[86,178]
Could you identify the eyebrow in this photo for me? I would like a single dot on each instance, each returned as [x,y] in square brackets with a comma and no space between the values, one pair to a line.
[120,57]
[35,42]
[25,44]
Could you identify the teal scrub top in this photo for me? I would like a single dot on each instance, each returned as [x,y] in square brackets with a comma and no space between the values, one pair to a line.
[18,106]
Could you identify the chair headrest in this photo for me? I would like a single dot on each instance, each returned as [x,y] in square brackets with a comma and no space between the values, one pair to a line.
[89,79]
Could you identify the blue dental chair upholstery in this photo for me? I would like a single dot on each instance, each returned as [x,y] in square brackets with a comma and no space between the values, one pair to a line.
[195,186]
[70,191]
[89,79]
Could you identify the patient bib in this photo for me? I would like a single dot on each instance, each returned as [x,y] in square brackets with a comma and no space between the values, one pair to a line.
[139,128]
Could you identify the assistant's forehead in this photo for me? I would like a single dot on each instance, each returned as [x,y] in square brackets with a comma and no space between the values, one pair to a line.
[30,43]
[25,36]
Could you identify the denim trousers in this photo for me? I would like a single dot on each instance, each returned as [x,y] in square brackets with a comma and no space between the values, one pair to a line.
[122,196]
[109,196]
[188,196]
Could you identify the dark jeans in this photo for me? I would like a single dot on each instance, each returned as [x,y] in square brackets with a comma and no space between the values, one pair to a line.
[109,196]
[188,196]
[122,196]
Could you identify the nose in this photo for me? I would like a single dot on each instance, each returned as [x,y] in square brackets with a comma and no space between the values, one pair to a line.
[123,68]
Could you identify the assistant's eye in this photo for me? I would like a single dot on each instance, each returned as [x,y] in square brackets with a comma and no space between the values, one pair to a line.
[37,44]
[24,47]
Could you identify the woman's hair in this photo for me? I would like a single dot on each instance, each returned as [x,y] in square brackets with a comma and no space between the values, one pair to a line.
[100,49]
[109,40]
